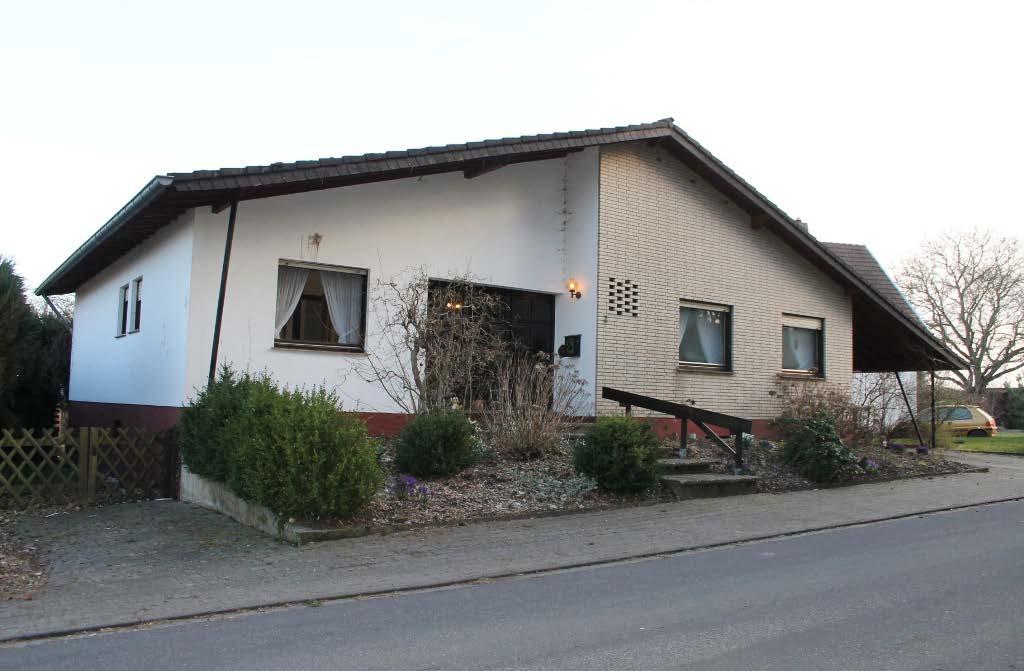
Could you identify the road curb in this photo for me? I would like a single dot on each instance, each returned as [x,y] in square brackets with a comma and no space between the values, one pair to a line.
[341,596]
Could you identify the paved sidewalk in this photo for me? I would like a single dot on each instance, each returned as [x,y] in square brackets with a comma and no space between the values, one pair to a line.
[161,559]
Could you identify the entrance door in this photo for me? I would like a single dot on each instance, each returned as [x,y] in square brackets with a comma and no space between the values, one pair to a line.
[530,319]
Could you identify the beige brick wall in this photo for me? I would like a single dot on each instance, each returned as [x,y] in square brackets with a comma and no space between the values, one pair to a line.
[678,238]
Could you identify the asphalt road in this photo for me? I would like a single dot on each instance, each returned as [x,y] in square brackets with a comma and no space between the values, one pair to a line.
[942,591]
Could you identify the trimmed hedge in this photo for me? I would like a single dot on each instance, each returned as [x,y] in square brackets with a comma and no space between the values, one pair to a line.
[293,451]
[439,442]
[620,453]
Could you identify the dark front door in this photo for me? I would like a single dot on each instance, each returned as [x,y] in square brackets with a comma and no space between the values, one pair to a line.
[530,319]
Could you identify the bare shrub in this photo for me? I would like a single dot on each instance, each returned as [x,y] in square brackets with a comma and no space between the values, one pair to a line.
[437,341]
[531,404]
[883,410]
[806,399]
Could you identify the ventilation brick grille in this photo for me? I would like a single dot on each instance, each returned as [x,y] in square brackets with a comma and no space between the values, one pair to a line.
[623,297]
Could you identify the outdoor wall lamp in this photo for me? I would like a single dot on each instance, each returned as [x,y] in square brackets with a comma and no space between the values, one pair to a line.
[574,290]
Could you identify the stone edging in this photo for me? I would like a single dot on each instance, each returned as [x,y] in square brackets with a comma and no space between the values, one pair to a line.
[216,496]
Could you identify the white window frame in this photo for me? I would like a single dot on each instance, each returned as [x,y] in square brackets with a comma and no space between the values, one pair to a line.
[726,365]
[134,307]
[287,343]
[121,327]
[808,324]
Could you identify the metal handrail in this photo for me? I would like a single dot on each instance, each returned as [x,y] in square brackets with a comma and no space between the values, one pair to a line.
[702,418]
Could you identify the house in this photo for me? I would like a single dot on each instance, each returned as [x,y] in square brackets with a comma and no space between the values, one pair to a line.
[673,276]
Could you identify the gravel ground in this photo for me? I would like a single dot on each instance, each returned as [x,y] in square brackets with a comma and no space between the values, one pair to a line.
[764,460]
[22,572]
[494,487]
[499,487]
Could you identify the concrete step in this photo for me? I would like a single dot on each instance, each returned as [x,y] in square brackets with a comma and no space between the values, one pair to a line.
[673,465]
[708,485]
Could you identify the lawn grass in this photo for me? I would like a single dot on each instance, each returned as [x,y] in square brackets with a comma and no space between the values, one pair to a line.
[1007,442]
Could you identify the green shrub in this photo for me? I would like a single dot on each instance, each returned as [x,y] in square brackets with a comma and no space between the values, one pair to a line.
[1015,405]
[35,356]
[292,451]
[205,446]
[620,453]
[439,442]
[812,445]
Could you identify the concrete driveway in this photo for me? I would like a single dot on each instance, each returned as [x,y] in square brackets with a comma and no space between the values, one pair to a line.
[940,591]
[165,559]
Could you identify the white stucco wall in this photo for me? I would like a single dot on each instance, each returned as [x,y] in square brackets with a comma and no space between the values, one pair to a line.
[528,226]
[147,367]
[886,404]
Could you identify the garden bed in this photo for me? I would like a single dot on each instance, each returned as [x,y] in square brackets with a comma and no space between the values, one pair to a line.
[501,488]
[493,488]
[764,459]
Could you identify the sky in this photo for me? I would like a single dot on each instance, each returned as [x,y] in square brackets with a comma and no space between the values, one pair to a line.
[880,123]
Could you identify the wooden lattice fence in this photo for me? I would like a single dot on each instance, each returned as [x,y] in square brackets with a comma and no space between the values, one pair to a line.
[86,464]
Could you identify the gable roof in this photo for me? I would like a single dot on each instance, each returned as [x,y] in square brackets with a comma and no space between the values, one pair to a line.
[860,259]
[166,197]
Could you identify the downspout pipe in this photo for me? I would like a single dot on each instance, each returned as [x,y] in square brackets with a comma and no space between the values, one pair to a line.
[917,429]
[60,315]
[225,264]
[934,417]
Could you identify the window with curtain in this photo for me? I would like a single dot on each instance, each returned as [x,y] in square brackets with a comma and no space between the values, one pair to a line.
[802,345]
[322,307]
[705,334]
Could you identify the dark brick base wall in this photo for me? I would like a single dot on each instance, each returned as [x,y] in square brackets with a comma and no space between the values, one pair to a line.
[162,417]
[152,417]
[384,423]
[666,427]
[159,418]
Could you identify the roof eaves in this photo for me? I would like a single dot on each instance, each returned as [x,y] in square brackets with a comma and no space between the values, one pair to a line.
[143,198]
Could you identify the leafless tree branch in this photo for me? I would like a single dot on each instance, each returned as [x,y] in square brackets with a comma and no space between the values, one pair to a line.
[969,289]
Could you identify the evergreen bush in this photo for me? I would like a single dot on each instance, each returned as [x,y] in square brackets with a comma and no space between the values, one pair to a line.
[1015,405]
[620,454]
[813,446]
[439,442]
[292,451]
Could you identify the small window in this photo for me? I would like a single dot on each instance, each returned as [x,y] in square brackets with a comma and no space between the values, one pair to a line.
[136,304]
[322,307]
[122,310]
[705,334]
[802,345]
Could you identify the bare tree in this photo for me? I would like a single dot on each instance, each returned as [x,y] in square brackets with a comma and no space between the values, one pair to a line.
[969,289]
[436,340]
